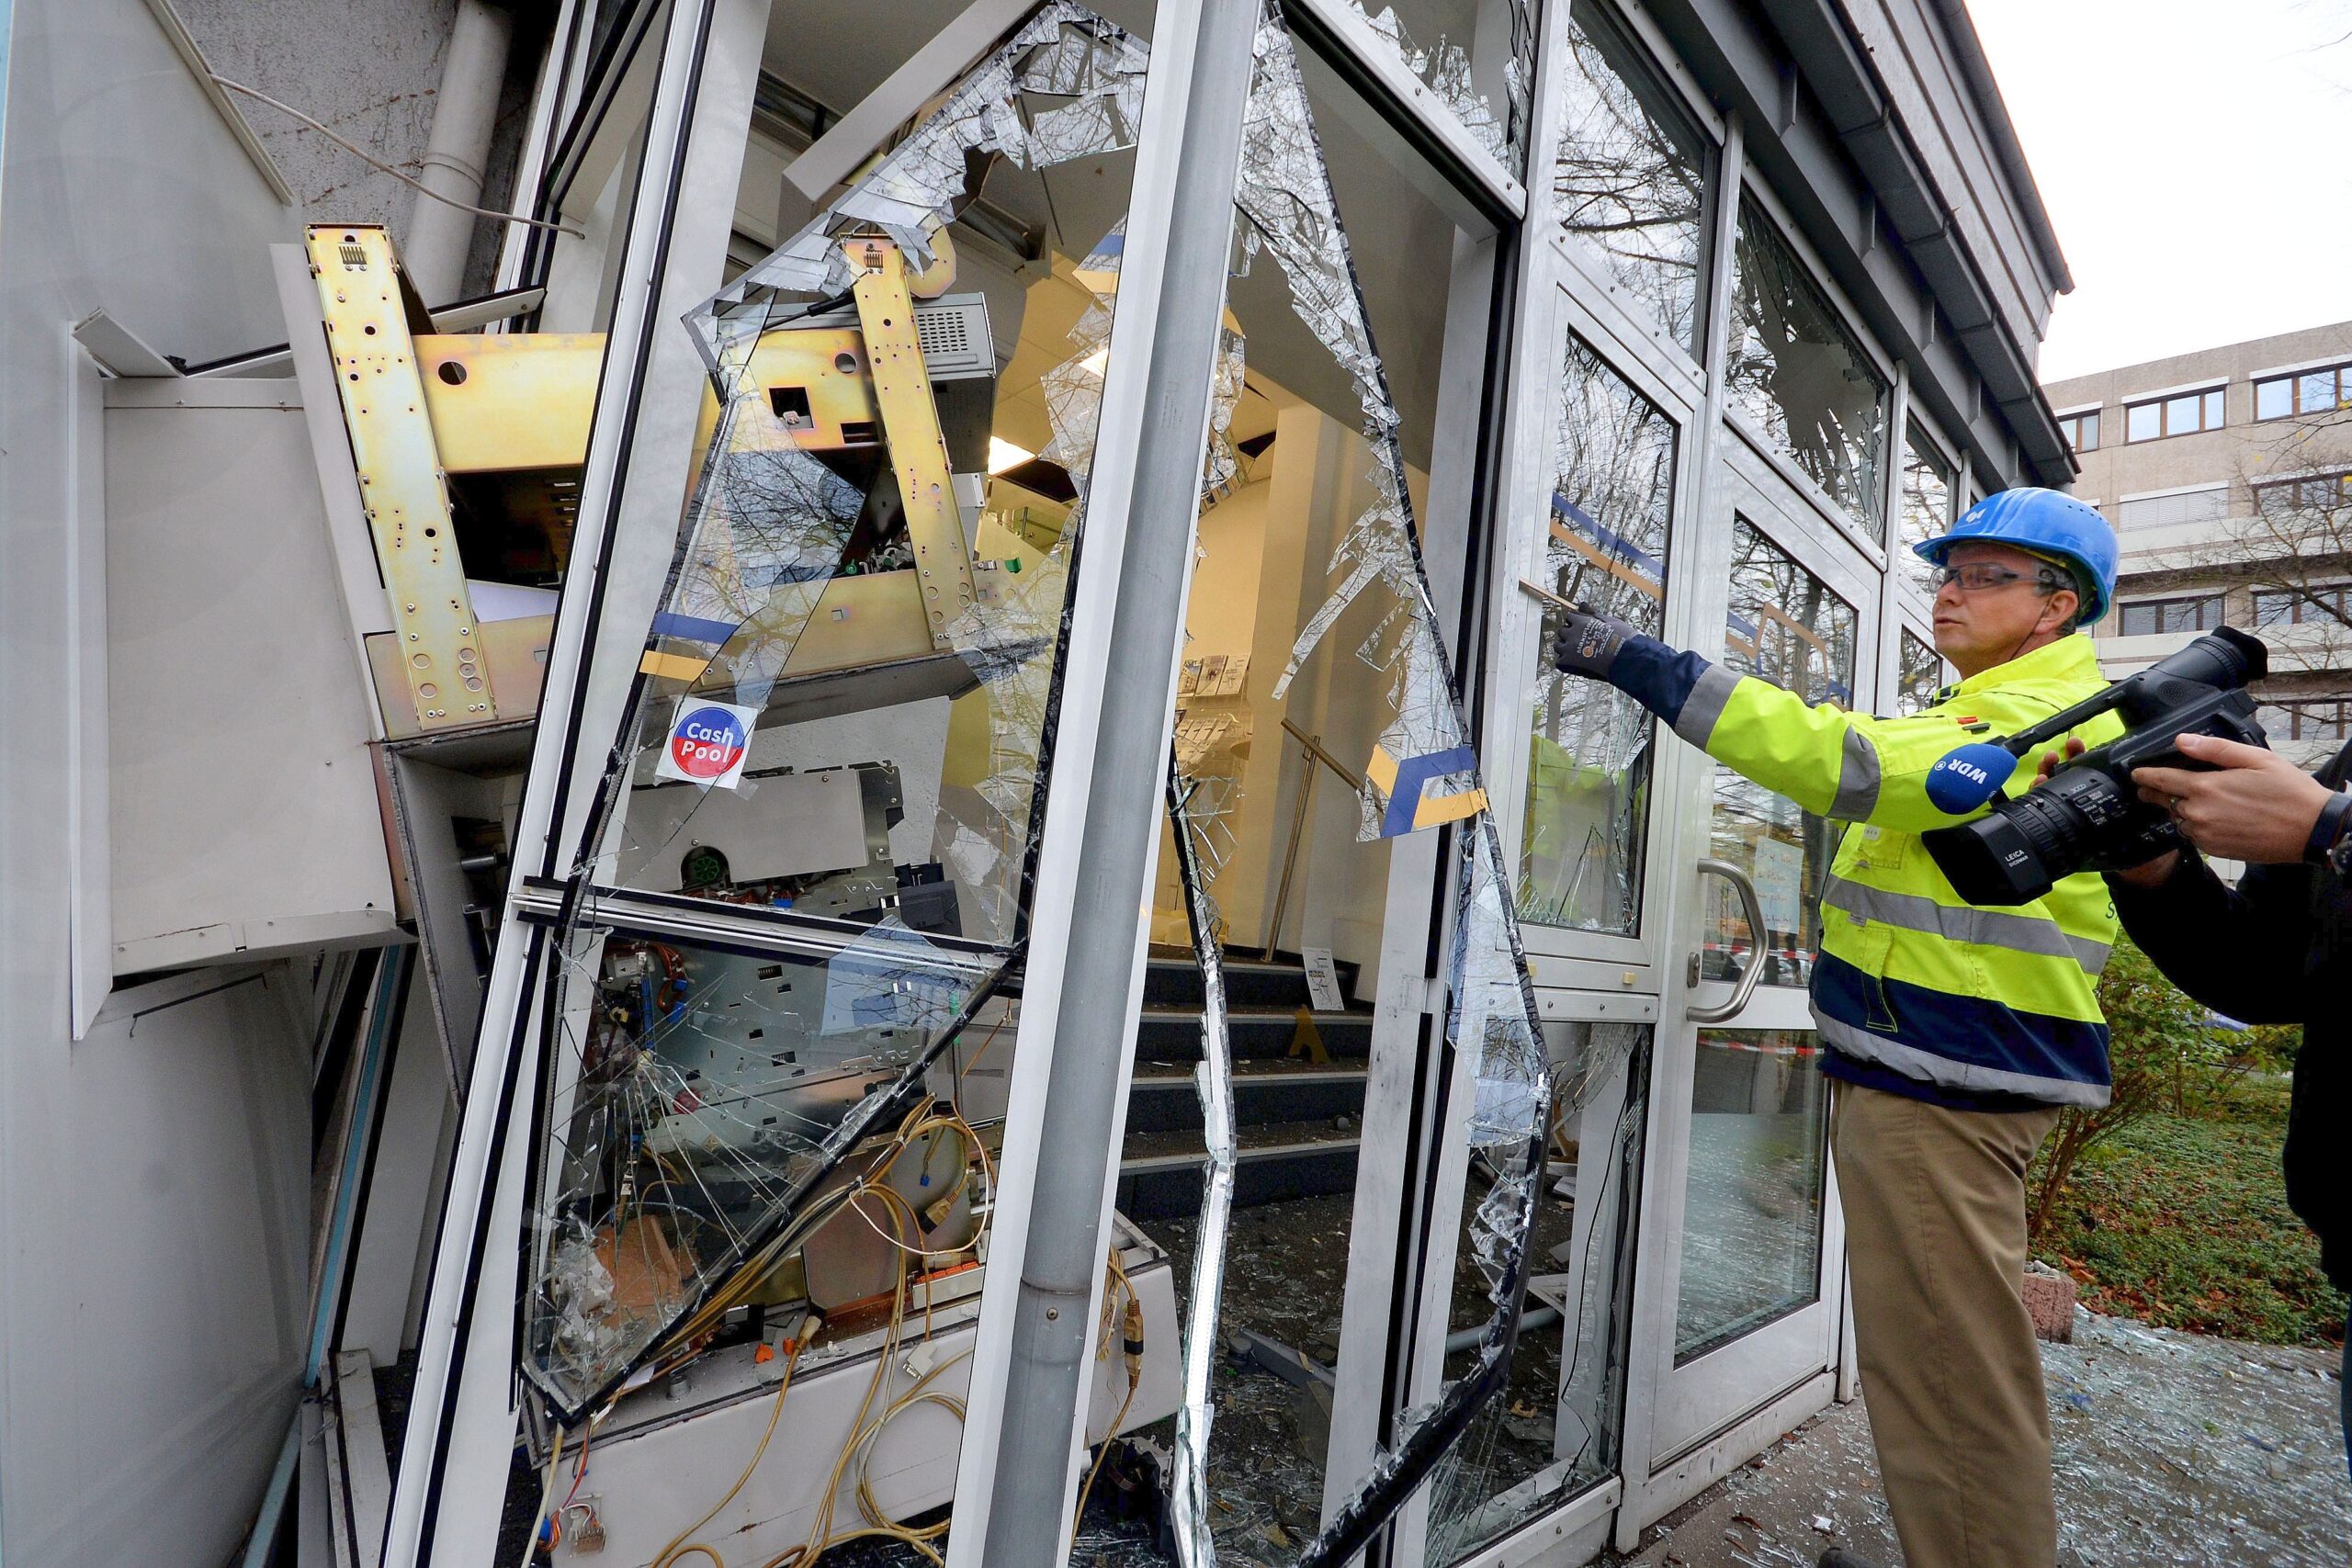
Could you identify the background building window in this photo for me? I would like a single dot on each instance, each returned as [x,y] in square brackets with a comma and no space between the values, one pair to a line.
[2203,505]
[2180,415]
[2313,492]
[2324,720]
[1794,369]
[2306,391]
[1631,174]
[2081,429]
[2292,606]
[2189,613]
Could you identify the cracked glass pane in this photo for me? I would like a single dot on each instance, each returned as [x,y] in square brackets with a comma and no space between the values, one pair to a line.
[709,1090]
[1630,173]
[1477,57]
[1553,1431]
[1796,370]
[1785,626]
[1191,1505]
[1317,721]
[839,739]
[1588,759]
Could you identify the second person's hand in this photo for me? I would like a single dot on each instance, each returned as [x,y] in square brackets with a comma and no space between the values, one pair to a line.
[2148,873]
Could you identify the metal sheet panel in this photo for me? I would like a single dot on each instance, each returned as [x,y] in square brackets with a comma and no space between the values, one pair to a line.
[244,810]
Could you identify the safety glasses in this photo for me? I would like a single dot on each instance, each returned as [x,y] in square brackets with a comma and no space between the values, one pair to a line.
[1976,576]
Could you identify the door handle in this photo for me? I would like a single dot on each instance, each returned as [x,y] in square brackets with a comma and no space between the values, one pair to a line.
[1745,987]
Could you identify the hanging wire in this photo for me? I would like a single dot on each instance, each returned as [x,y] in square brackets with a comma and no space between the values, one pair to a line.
[376,163]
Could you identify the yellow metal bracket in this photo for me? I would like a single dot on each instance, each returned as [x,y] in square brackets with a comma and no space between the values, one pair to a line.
[402,484]
[886,312]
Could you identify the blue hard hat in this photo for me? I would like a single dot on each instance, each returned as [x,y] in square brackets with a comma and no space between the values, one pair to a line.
[2043,523]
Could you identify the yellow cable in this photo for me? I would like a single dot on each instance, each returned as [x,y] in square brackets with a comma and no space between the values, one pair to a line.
[1134,1334]
[547,1492]
[677,1547]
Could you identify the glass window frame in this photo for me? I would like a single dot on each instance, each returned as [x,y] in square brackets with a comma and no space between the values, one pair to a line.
[2210,407]
[1561,956]
[2163,608]
[2294,381]
[2074,427]
[2296,493]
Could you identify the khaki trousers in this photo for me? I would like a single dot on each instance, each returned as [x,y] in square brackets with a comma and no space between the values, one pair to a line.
[1935,1238]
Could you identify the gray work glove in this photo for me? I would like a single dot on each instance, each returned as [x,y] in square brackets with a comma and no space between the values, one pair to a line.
[1587,643]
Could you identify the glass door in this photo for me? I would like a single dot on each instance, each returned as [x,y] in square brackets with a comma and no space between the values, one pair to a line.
[1753,1270]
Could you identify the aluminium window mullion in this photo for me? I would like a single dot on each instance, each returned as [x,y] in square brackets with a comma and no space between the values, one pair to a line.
[452,1475]
[1099,838]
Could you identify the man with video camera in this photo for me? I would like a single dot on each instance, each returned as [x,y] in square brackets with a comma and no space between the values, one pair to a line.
[2275,949]
[1955,1034]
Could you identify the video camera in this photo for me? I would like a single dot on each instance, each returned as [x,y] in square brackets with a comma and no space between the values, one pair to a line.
[2090,814]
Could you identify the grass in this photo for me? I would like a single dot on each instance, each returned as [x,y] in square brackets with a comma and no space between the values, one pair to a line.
[2182,1221]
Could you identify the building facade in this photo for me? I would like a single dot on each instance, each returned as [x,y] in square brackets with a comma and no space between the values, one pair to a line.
[2224,474]
[874,796]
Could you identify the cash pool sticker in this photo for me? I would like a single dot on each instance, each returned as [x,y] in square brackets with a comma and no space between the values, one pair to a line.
[708,743]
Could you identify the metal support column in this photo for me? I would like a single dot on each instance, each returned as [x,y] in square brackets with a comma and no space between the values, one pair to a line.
[1101,930]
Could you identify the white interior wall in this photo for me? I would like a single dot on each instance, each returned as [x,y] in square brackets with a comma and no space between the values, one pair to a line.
[152,1175]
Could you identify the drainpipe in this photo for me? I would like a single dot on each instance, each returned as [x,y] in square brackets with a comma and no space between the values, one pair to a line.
[457,151]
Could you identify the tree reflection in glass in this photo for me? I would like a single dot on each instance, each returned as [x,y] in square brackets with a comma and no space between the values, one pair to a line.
[1589,760]
[1784,626]
[1630,177]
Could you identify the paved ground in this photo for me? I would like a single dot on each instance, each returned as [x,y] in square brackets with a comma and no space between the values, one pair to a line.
[2171,1449]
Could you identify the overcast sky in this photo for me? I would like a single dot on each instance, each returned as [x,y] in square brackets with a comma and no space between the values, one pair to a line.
[2193,155]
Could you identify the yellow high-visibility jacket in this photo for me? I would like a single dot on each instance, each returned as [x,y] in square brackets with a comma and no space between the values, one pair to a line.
[1915,989]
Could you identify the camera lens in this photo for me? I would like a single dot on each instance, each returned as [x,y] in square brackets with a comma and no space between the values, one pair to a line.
[2016,851]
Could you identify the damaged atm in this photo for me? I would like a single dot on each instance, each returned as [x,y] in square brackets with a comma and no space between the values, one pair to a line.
[765,1185]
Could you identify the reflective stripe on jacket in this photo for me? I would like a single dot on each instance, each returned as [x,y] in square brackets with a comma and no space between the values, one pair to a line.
[1911,977]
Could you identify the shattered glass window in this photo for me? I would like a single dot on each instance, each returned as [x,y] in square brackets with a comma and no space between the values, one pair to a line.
[1629,174]
[1920,675]
[1319,719]
[1793,368]
[709,1083]
[1477,57]
[1759,1171]
[1785,626]
[1588,759]
[836,752]
[1554,1431]
[1927,485]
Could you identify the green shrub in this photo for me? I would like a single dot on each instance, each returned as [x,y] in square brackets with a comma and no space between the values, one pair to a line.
[2270,1047]
[2164,1054]
[2183,1222]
